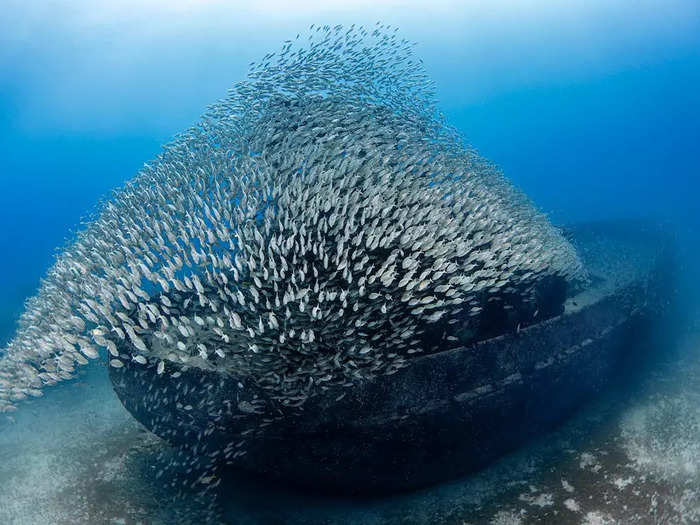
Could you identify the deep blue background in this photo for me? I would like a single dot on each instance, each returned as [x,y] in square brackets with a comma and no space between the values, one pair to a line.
[592,109]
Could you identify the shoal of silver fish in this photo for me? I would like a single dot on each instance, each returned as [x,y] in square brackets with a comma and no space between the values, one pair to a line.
[302,235]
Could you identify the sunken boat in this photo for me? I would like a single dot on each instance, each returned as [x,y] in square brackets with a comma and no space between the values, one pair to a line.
[451,412]
[321,282]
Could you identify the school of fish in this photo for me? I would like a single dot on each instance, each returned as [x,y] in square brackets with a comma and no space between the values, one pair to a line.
[304,234]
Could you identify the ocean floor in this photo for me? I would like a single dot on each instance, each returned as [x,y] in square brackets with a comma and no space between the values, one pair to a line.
[75,456]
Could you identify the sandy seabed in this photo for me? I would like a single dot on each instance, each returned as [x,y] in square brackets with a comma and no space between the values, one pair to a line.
[632,456]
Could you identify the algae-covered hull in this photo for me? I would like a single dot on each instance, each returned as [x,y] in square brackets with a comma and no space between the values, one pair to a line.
[447,413]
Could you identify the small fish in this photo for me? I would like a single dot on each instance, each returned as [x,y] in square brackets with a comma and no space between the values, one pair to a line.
[312,225]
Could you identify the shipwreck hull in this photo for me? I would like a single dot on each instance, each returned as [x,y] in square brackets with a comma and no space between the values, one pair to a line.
[447,413]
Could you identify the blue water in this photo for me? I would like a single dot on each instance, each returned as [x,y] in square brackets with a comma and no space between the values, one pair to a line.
[592,108]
